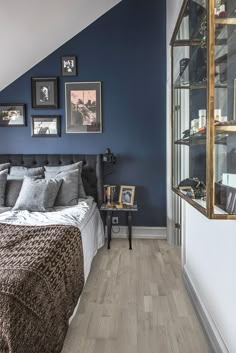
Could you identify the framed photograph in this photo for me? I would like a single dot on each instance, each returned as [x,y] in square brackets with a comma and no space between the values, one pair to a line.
[46,126]
[68,66]
[12,114]
[44,92]
[83,107]
[127,195]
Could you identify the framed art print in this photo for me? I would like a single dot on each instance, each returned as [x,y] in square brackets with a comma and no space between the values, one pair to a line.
[12,114]
[68,66]
[126,196]
[83,107]
[46,126]
[44,92]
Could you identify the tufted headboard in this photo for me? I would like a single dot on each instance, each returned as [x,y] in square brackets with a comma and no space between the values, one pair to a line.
[92,174]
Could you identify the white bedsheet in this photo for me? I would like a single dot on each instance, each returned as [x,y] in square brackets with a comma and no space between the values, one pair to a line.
[85,215]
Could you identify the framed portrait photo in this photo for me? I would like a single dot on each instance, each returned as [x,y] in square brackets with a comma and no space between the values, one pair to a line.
[68,66]
[126,196]
[83,107]
[46,126]
[44,92]
[12,115]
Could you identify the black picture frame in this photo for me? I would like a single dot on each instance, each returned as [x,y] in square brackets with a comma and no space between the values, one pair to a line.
[69,65]
[12,115]
[46,126]
[83,107]
[44,92]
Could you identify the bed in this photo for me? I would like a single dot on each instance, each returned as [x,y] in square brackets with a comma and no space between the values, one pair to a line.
[46,294]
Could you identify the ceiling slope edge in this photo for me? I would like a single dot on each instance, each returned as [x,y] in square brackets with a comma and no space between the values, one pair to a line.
[35,29]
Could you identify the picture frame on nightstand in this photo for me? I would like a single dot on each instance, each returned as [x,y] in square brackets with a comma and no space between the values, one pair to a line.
[126,196]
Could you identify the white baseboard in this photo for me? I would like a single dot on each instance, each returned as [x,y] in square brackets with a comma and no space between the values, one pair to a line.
[216,341]
[140,232]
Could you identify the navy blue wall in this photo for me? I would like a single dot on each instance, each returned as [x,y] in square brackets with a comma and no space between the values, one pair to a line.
[125,49]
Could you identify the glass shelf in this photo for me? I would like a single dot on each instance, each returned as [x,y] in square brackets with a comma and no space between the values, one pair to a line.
[197,86]
[203,92]
[223,130]
[225,21]
[200,204]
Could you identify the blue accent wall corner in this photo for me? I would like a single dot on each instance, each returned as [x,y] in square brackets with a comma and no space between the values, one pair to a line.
[125,49]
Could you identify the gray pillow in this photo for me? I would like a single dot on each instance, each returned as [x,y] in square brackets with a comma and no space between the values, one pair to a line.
[37,195]
[3,182]
[69,191]
[13,188]
[76,179]
[21,172]
[4,166]
[64,168]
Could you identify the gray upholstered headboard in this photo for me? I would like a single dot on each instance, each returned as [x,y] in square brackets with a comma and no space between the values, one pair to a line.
[92,173]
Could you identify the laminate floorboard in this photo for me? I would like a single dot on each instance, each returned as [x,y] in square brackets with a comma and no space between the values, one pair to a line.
[135,302]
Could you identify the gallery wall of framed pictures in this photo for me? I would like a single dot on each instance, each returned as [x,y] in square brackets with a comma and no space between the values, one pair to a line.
[83,104]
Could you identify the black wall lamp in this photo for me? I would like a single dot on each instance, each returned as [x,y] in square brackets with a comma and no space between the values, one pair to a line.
[109,157]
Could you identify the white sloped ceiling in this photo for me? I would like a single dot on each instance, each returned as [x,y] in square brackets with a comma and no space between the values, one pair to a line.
[32,29]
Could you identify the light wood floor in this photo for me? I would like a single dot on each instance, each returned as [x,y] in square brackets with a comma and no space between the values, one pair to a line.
[135,302]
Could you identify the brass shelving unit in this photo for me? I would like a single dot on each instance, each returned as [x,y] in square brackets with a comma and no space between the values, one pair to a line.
[204,40]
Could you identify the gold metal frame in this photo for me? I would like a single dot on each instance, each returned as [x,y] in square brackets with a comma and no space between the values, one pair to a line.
[132,189]
[210,133]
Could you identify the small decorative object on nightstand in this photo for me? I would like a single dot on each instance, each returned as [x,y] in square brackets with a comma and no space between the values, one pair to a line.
[109,193]
[119,207]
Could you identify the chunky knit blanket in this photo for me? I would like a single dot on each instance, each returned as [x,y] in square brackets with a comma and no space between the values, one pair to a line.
[41,279]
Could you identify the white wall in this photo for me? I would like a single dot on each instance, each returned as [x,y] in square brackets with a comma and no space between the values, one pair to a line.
[210,245]
[30,30]
[211,266]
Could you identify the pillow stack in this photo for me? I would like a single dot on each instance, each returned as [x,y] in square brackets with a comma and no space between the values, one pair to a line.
[15,180]
[37,195]
[27,189]
[72,187]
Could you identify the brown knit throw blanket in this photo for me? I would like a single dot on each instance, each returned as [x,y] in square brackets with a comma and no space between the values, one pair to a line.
[41,279]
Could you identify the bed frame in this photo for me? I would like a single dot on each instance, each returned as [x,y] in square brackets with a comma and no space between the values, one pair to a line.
[92,174]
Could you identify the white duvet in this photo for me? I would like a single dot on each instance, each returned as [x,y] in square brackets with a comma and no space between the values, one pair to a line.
[60,215]
[85,215]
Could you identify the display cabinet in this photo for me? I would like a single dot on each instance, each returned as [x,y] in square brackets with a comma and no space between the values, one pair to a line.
[203,49]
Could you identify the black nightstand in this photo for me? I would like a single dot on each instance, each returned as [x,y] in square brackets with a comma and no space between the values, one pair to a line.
[110,209]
